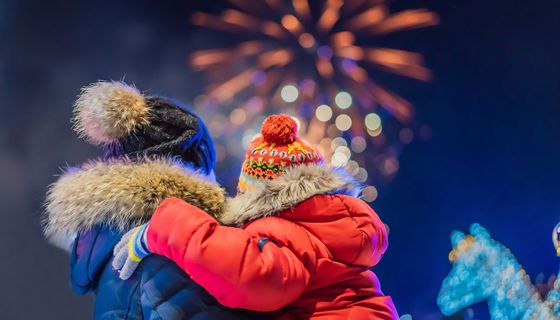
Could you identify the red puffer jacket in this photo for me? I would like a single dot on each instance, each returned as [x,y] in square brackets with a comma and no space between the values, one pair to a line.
[304,250]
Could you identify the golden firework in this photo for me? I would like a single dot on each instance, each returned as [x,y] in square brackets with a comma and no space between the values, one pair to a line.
[303,57]
[299,42]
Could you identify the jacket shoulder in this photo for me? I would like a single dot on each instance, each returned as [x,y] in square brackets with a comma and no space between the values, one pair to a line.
[350,229]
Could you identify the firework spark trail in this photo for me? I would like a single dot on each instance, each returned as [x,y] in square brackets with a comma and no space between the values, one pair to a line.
[316,47]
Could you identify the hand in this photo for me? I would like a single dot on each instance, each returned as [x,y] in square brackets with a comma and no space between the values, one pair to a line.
[130,251]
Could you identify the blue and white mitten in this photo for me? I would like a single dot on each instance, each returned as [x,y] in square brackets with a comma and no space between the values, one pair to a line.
[129,252]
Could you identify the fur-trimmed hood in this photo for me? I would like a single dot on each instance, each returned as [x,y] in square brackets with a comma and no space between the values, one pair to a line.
[122,193]
[296,185]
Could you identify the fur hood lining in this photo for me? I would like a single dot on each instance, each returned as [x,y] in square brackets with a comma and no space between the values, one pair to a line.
[296,185]
[122,193]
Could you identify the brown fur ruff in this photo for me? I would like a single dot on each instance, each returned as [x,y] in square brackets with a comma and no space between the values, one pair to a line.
[121,194]
[296,185]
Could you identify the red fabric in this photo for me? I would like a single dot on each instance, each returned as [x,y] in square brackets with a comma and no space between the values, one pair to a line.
[315,265]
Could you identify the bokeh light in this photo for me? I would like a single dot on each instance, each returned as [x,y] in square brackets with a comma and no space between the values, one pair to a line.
[362,175]
[372,121]
[306,40]
[369,193]
[406,135]
[237,116]
[323,113]
[375,133]
[390,165]
[289,93]
[358,144]
[343,122]
[318,69]
[339,159]
[343,100]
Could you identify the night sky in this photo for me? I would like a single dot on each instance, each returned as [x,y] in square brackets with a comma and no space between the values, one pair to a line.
[493,106]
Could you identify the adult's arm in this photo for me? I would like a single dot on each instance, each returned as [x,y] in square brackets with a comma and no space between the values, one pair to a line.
[242,268]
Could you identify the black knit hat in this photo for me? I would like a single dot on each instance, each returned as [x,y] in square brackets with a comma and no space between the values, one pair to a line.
[119,117]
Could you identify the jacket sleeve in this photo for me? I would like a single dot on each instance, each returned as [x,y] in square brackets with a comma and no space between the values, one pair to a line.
[240,268]
[374,232]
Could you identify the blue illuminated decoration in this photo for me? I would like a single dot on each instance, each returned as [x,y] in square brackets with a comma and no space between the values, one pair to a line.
[485,270]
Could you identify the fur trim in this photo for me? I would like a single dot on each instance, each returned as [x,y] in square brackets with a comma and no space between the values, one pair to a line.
[121,193]
[108,111]
[296,185]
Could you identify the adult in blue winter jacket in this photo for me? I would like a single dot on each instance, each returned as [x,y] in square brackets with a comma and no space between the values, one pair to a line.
[155,149]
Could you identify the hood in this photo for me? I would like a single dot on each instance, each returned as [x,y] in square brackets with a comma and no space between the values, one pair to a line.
[120,194]
[296,185]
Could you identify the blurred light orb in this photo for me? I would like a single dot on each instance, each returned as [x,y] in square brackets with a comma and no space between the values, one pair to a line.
[344,150]
[361,175]
[337,142]
[323,113]
[325,52]
[349,65]
[258,78]
[406,135]
[358,144]
[352,167]
[254,104]
[375,133]
[343,122]
[237,116]
[307,87]
[372,121]
[289,93]
[306,40]
[343,100]
[369,193]
[339,159]
[390,165]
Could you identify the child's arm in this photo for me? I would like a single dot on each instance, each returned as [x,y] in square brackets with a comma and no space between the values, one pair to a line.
[241,268]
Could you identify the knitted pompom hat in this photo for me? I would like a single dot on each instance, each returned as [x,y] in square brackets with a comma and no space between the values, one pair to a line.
[127,123]
[277,149]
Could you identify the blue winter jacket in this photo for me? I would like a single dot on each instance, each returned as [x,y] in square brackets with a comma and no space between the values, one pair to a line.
[95,204]
[157,290]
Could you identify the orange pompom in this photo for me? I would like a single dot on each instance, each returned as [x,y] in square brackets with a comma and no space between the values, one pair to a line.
[279,129]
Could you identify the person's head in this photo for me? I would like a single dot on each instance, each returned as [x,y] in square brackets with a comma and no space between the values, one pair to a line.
[118,117]
[275,150]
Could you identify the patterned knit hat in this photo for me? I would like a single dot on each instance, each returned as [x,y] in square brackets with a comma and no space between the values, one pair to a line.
[276,150]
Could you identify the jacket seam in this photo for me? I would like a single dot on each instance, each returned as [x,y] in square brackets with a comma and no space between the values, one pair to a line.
[341,199]
[316,262]
[89,257]
[308,234]
[130,300]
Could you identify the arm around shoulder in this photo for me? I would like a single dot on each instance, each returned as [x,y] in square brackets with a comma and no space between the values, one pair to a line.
[229,262]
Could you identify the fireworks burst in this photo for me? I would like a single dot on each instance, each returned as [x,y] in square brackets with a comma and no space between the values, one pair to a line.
[304,57]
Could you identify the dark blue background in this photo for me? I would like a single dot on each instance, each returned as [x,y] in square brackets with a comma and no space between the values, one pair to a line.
[494,107]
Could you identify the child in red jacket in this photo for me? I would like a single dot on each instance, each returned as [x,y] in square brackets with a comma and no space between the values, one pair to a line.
[302,247]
